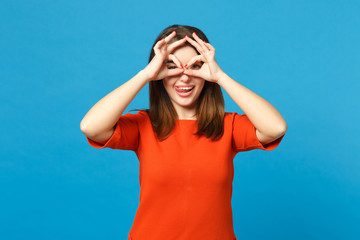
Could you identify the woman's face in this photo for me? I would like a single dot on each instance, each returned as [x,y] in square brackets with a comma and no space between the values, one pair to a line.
[184,90]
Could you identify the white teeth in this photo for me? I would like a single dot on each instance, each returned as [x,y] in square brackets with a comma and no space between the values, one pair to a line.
[185,88]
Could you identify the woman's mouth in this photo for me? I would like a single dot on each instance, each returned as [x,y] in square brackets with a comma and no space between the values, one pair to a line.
[183,91]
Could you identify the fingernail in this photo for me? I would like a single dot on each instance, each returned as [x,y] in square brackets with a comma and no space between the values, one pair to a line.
[195,33]
[172,32]
[184,37]
[185,66]
[205,42]
[181,66]
[187,36]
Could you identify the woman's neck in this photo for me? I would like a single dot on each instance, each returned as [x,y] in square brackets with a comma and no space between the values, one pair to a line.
[186,113]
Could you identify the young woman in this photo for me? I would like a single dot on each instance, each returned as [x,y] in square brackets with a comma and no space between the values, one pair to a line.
[185,142]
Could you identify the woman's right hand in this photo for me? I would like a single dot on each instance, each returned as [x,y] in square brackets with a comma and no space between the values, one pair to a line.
[157,68]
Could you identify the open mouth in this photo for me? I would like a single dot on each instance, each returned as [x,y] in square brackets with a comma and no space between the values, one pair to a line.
[184,91]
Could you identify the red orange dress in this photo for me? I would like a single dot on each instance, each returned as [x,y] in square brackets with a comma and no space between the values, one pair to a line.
[185,180]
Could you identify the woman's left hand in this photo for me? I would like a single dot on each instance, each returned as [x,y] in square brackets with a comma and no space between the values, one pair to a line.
[210,70]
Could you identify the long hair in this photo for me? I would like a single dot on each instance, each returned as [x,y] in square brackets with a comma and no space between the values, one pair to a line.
[210,109]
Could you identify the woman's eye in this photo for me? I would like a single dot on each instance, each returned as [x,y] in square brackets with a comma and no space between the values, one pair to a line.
[172,67]
[196,66]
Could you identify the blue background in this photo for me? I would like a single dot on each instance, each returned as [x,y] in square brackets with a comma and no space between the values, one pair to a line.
[58,58]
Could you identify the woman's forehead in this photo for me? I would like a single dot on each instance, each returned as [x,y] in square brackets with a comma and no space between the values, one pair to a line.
[184,53]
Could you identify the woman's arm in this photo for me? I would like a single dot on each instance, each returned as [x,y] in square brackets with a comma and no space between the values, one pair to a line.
[98,124]
[269,123]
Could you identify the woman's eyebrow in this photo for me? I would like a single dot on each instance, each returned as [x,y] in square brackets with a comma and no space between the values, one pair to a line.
[168,61]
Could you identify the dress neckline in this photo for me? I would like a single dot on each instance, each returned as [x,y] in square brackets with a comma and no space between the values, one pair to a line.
[185,119]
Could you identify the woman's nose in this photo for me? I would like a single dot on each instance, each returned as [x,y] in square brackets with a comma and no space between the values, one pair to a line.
[184,78]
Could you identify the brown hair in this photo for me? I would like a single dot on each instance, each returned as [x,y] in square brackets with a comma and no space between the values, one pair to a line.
[210,110]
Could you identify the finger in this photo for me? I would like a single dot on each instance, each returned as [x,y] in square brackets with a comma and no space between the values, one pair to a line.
[175,60]
[167,39]
[200,41]
[170,36]
[159,44]
[174,45]
[209,46]
[193,73]
[195,44]
[174,72]
[194,60]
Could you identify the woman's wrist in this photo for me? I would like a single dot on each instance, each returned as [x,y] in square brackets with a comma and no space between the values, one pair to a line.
[145,75]
[221,76]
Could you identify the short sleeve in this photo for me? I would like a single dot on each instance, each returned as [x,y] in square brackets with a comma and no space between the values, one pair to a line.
[244,136]
[126,135]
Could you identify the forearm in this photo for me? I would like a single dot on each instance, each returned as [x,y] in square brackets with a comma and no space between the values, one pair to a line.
[260,112]
[106,112]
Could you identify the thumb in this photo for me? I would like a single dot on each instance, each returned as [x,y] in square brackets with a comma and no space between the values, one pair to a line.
[193,73]
[174,72]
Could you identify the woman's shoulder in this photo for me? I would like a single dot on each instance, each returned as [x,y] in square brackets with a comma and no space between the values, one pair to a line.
[231,115]
[140,115]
